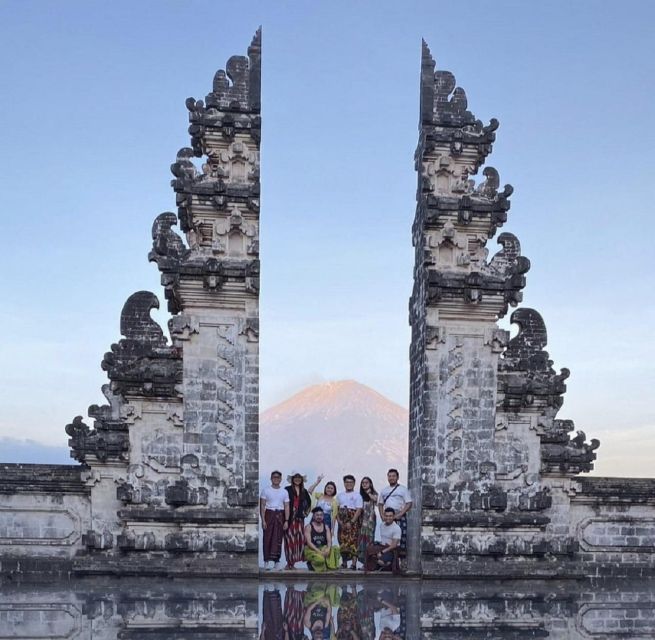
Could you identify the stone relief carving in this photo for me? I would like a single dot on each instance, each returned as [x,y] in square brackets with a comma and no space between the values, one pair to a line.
[238,163]
[235,236]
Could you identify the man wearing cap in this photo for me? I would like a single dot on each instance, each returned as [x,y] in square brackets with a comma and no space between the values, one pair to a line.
[274,512]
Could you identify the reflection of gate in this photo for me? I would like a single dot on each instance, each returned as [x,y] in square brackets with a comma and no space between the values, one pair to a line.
[403,609]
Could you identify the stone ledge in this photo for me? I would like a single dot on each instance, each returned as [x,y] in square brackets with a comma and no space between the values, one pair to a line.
[441,520]
[465,567]
[206,516]
[234,565]
[33,569]
[504,631]
[42,478]
[608,491]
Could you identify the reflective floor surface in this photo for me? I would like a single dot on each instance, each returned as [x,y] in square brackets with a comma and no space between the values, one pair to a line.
[353,609]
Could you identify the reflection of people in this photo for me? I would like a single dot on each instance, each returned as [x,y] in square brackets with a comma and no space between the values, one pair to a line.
[399,499]
[319,552]
[348,622]
[369,521]
[274,512]
[367,604]
[390,622]
[349,517]
[392,614]
[299,504]
[318,619]
[381,555]
[294,609]
[272,622]
[327,500]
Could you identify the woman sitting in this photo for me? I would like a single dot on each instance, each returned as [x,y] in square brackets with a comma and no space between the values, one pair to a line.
[319,552]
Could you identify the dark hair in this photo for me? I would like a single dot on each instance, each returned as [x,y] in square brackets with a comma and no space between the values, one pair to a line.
[390,510]
[317,509]
[393,471]
[349,476]
[276,473]
[334,486]
[301,486]
[365,495]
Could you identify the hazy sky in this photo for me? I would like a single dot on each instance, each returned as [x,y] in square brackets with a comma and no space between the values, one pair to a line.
[92,115]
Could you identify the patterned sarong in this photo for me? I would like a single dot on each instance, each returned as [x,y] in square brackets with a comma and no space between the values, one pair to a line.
[348,533]
[319,562]
[294,541]
[348,620]
[367,530]
[273,535]
[402,551]
[294,609]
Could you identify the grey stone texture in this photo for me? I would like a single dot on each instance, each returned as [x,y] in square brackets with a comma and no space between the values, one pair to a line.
[167,481]
[170,466]
[493,471]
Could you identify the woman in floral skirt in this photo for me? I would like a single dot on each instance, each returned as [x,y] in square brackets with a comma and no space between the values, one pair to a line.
[367,531]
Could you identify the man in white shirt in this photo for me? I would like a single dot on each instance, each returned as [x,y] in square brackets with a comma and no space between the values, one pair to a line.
[396,497]
[390,535]
[349,518]
[274,512]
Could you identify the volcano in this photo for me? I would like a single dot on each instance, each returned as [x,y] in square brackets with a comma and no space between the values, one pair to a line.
[335,428]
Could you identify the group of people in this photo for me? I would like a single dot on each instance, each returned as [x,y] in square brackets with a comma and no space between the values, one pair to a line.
[332,612]
[342,531]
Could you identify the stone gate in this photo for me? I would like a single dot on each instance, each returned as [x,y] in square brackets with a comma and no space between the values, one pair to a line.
[494,471]
[167,480]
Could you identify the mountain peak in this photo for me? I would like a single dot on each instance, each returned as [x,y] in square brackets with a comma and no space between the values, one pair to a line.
[331,399]
[299,431]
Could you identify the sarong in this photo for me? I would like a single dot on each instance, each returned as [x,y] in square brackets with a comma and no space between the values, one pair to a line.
[294,541]
[402,551]
[273,535]
[388,558]
[348,535]
[294,609]
[319,562]
[272,622]
[367,531]
[348,622]
[367,603]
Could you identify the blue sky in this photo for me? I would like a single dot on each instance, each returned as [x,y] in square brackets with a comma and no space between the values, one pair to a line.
[92,115]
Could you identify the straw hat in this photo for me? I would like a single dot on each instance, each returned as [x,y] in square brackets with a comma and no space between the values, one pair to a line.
[291,476]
